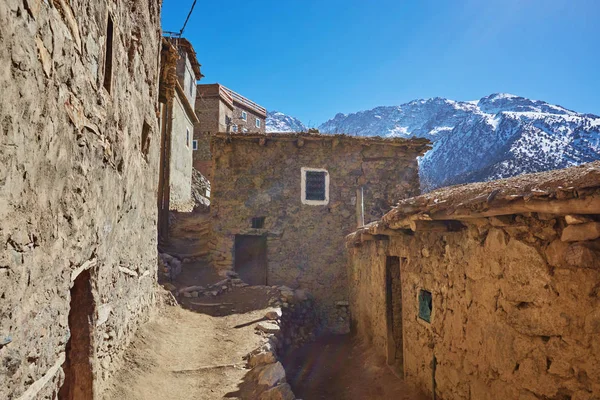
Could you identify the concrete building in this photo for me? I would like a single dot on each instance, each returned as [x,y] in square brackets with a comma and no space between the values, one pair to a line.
[488,290]
[175,188]
[282,204]
[220,109]
[79,154]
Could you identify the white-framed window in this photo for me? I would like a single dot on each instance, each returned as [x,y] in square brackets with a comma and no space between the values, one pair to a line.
[234,128]
[245,130]
[244,115]
[194,144]
[315,186]
[187,137]
[257,123]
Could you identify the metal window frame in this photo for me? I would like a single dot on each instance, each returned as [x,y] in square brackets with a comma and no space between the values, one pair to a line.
[303,198]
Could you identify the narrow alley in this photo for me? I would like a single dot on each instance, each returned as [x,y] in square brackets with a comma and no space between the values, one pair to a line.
[197,348]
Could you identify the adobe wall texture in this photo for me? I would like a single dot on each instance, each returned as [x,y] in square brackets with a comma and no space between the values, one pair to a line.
[180,180]
[516,311]
[305,244]
[76,191]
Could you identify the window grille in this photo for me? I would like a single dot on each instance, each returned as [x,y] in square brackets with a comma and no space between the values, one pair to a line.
[315,185]
[258,222]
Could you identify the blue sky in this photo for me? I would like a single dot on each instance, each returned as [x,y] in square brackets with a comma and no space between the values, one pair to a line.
[315,58]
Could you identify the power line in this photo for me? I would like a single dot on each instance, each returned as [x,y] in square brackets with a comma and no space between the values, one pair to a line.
[187,19]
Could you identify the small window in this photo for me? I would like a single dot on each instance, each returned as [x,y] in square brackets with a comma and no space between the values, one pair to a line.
[187,137]
[315,186]
[425,305]
[245,130]
[257,123]
[258,222]
[234,128]
[194,144]
[108,55]
[244,116]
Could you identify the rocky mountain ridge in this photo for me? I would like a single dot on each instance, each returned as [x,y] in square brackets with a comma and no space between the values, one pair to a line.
[498,136]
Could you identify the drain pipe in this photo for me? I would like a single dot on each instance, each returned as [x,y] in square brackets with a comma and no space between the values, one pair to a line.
[433,366]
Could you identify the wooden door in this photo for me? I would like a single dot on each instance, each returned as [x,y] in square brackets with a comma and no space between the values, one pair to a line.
[251,259]
[395,356]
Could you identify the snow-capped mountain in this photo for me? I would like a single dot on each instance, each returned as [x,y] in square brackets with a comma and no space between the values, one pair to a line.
[499,136]
[279,122]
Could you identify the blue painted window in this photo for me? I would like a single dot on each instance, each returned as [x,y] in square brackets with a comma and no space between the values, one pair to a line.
[425,305]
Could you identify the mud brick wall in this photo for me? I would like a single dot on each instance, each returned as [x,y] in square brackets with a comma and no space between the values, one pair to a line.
[76,189]
[305,243]
[516,310]
[212,113]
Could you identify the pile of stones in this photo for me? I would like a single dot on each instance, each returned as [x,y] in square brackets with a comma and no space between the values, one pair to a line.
[341,316]
[290,323]
[299,323]
[169,266]
[211,290]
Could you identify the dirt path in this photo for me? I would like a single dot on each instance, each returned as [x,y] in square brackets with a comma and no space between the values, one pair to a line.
[338,368]
[186,355]
[194,351]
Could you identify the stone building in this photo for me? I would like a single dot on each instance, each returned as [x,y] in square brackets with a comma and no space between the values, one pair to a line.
[488,290]
[282,204]
[79,152]
[220,109]
[175,190]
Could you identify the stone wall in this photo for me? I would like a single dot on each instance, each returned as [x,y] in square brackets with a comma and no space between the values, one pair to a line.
[516,310]
[212,113]
[180,179]
[305,243]
[77,186]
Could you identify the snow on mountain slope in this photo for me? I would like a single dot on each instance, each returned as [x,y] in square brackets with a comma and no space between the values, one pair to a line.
[279,122]
[498,136]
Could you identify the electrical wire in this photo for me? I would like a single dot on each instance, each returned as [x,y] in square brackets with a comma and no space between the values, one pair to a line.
[188,17]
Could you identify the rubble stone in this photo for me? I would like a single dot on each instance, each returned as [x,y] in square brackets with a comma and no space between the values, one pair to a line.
[305,243]
[279,392]
[75,181]
[271,374]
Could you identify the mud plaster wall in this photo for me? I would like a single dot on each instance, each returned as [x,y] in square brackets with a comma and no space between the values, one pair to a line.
[516,311]
[74,186]
[180,180]
[186,76]
[305,244]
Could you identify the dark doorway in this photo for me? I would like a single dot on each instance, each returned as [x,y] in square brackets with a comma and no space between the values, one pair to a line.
[393,290]
[251,259]
[79,378]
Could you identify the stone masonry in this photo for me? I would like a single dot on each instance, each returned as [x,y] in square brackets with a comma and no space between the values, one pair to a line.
[214,107]
[79,91]
[260,176]
[515,311]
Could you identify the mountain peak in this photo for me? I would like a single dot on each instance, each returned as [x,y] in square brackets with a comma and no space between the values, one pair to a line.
[280,122]
[500,135]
